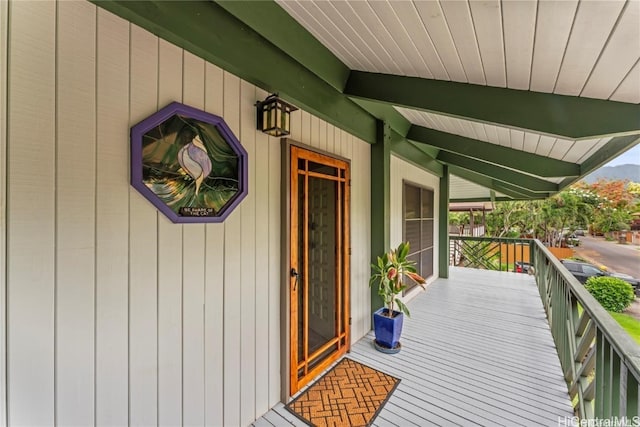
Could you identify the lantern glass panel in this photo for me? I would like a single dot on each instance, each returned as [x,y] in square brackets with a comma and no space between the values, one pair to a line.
[274,115]
[265,119]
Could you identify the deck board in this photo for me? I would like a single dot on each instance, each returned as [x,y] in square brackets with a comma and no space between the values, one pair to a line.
[477,350]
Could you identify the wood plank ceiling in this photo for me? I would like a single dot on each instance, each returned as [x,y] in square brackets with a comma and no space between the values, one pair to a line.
[585,49]
[519,98]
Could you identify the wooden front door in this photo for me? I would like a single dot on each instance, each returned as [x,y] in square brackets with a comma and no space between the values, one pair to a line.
[319,283]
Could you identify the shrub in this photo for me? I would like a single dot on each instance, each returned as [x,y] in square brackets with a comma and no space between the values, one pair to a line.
[612,293]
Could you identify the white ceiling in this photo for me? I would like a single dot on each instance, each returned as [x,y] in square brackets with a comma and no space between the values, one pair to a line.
[544,145]
[588,48]
[468,190]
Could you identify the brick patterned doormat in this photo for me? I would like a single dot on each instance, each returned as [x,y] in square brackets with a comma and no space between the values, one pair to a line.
[350,394]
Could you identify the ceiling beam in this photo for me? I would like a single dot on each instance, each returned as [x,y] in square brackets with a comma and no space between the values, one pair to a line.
[209,31]
[503,187]
[387,114]
[482,199]
[412,154]
[427,149]
[559,115]
[503,156]
[612,149]
[513,191]
[507,176]
[485,181]
[269,20]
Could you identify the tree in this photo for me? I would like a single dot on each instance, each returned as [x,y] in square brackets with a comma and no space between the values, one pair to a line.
[508,218]
[605,206]
[634,189]
[613,193]
[547,220]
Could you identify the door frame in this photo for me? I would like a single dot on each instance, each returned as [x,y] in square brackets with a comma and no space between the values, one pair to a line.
[285,265]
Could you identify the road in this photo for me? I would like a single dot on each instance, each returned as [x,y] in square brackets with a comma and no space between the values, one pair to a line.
[616,257]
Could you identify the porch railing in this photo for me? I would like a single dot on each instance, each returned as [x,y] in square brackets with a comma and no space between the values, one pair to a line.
[600,361]
[490,253]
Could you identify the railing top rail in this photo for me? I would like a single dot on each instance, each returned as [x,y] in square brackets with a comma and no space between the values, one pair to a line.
[620,340]
[492,239]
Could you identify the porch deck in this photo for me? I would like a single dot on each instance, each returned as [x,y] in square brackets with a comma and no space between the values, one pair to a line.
[476,351]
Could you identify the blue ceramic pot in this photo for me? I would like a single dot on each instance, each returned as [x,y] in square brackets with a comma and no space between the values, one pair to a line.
[387,329]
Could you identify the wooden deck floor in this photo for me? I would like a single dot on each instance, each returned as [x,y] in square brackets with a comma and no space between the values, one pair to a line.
[476,351]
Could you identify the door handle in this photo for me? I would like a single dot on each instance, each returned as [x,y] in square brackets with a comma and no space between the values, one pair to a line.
[295,274]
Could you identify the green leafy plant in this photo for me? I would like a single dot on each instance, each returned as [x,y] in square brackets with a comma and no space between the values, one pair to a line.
[388,275]
[612,293]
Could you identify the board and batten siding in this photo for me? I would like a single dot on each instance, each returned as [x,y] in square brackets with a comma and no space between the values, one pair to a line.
[114,315]
[402,171]
[4,19]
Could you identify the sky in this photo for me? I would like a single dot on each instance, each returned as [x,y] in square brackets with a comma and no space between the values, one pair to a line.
[630,157]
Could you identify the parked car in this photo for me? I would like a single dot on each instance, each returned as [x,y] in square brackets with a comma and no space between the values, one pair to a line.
[522,267]
[571,240]
[583,270]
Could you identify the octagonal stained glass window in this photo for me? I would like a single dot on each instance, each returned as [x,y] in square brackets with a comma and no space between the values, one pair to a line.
[189,164]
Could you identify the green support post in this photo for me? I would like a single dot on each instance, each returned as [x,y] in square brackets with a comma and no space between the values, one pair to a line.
[380,199]
[443,224]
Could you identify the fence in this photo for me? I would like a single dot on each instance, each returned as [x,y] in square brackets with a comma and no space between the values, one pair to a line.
[490,253]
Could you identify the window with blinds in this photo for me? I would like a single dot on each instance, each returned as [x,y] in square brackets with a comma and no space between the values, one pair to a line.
[417,228]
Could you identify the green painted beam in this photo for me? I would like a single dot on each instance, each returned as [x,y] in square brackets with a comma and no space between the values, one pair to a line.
[503,156]
[518,179]
[387,114]
[427,149]
[380,200]
[567,116]
[207,30]
[492,184]
[410,153]
[269,20]
[443,223]
[481,199]
[612,149]
[503,187]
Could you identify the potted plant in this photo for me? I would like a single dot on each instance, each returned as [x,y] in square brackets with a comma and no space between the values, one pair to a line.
[388,275]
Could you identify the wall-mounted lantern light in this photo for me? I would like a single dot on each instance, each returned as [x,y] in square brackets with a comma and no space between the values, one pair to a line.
[274,116]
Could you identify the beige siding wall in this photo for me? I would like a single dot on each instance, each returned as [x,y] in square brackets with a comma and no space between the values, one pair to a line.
[3,204]
[403,171]
[114,314]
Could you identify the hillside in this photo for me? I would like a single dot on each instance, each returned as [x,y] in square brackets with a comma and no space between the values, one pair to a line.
[612,173]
